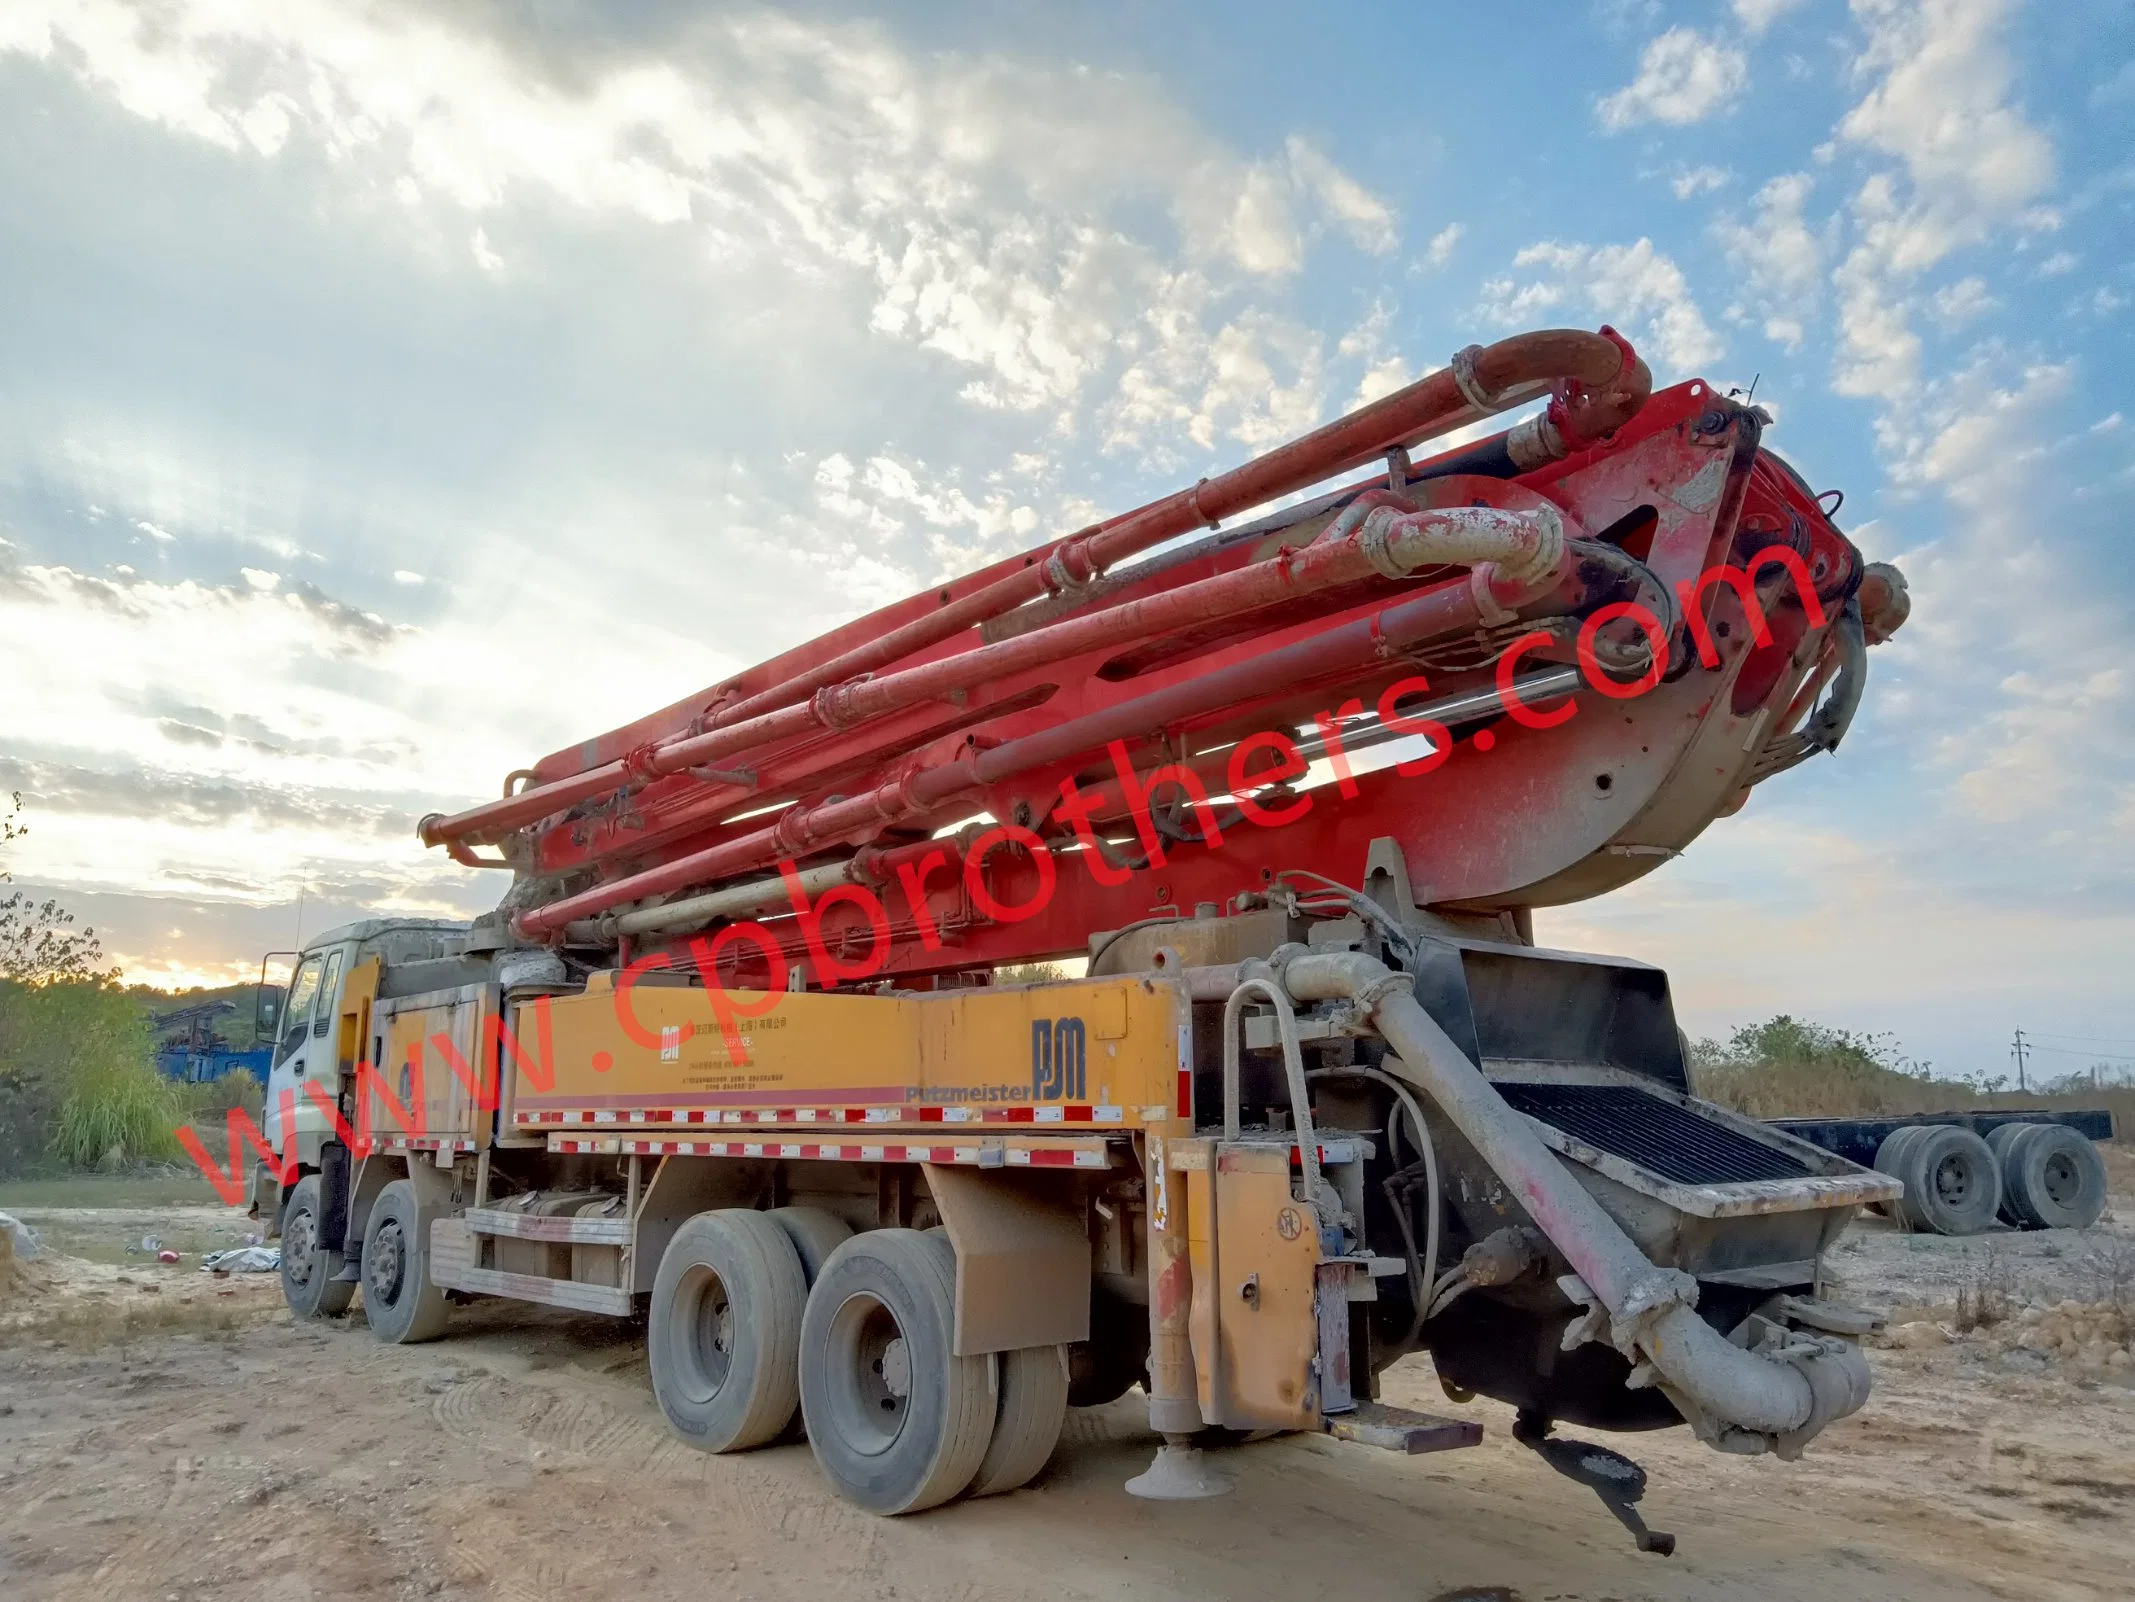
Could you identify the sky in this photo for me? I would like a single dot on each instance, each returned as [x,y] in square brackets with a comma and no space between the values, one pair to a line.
[392,394]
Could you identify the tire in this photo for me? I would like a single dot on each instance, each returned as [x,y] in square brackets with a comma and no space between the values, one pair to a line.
[400,1303]
[1115,1358]
[1890,1159]
[2055,1177]
[896,1420]
[1999,1140]
[1953,1185]
[1027,1418]
[723,1332]
[815,1235]
[308,1264]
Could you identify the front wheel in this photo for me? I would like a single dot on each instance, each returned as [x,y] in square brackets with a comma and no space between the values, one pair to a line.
[309,1264]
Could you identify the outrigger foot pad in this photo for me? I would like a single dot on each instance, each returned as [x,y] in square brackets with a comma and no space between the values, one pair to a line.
[1614,1478]
[1181,1473]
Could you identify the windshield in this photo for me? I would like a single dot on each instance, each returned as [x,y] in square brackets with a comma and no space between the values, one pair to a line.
[303,990]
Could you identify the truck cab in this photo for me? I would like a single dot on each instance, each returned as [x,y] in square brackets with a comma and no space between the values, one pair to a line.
[300,1019]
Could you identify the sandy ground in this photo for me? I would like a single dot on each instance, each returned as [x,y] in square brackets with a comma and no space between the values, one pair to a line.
[188,1442]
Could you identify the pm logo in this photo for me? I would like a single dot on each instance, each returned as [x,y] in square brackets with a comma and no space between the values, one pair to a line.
[1057,1059]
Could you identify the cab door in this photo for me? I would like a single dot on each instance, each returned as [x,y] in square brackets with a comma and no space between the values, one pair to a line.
[306,1047]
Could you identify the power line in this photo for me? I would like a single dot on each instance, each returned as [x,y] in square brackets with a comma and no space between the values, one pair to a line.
[2108,1040]
[2071,1051]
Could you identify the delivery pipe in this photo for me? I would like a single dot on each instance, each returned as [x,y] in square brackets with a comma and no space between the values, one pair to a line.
[1440,611]
[1507,550]
[1600,373]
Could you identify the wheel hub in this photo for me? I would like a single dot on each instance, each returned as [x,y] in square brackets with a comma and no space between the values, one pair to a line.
[871,1376]
[382,1263]
[2063,1183]
[896,1367]
[704,1327]
[300,1240]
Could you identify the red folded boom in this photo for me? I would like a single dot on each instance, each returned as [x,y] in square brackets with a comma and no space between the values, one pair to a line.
[1059,744]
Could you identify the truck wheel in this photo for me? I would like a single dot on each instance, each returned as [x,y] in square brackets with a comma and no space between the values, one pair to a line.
[399,1300]
[1953,1185]
[721,1334]
[1999,1140]
[1890,1159]
[1106,1366]
[2056,1178]
[815,1235]
[308,1266]
[1027,1418]
[897,1421]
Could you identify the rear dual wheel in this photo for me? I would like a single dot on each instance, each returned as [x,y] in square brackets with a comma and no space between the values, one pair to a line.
[754,1313]
[2052,1177]
[1953,1184]
[897,1421]
[723,1327]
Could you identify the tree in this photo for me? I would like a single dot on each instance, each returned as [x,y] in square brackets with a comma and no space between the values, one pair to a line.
[39,944]
[77,1077]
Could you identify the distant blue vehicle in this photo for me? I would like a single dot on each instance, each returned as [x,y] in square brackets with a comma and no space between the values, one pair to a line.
[195,1057]
[204,1067]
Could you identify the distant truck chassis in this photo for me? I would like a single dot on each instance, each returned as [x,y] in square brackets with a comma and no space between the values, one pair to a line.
[2031,1168]
[736,1053]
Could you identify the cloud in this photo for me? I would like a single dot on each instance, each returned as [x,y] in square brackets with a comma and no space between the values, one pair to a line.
[1780,257]
[985,202]
[1683,77]
[1758,15]
[1941,107]
[1940,77]
[1965,301]
[1362,215]
[1634,286]
[1439,250]
[1689,181]
[2036,729]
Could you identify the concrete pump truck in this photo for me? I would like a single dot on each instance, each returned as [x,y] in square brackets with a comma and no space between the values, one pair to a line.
[741,1051]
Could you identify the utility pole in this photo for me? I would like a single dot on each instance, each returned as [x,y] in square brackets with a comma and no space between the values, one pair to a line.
[2020,1048]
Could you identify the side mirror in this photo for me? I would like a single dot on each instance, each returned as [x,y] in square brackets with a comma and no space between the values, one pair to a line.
[267,1011]
[268,1000]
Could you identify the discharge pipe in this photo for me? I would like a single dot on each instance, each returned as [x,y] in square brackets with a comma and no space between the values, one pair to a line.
[1737,1398]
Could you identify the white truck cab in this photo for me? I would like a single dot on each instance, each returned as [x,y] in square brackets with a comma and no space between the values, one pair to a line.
[300,1019]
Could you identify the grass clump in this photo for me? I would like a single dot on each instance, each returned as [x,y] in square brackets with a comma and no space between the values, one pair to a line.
[83,1325]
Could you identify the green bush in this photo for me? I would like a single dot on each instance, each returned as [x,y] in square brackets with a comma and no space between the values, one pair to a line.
[1791,1067]
[236,1089]
[78,1079]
